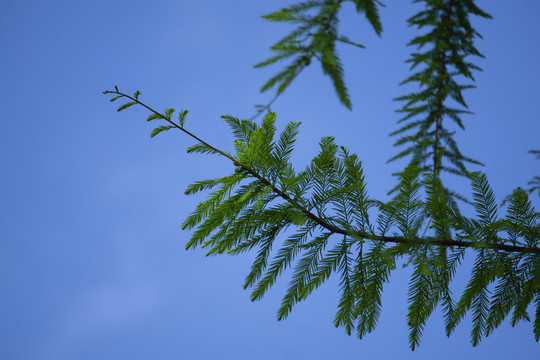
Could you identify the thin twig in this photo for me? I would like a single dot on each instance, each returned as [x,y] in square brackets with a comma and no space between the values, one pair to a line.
[162,116]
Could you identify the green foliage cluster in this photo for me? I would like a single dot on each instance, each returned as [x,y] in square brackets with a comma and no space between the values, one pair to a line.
[443,61]
[315,35]
[325,211]
[321,220]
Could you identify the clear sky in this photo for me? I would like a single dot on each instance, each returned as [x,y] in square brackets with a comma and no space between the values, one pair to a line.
[91,251]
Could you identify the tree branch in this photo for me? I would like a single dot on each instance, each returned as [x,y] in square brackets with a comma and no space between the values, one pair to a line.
[307,62]
[328,226]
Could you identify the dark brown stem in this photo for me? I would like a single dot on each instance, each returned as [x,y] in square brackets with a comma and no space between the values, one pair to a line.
[438,115]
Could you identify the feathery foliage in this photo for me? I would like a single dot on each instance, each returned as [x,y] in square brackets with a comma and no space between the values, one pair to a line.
[315,35]
[321,220]
[442,60]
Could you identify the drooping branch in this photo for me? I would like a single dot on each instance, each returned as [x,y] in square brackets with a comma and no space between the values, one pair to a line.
[306,62]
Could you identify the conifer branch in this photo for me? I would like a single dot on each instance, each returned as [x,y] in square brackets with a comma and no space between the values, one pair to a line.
[451,41]
[321,44]
[325,224]
[306,61]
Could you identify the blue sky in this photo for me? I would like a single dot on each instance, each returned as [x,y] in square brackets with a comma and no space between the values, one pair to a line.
[92,254]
